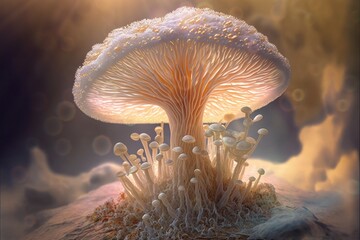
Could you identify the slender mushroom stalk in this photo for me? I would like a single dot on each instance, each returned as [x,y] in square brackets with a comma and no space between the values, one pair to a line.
[146,168]
[162,197]
[248,188]
[131,188]
[159,158]
[145,138]
[219,175]
[246,164]
[261,172]
[198,206]
[157,205]
[133,172]
[140,152]
[154,149]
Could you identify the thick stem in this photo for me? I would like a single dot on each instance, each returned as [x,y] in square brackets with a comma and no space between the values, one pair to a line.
[188,123]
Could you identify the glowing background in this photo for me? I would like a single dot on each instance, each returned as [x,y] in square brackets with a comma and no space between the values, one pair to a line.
[314,127]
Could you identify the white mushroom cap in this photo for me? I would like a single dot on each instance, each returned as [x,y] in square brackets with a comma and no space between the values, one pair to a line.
[164,147]
[194,180]
[132,157]
[243,146]
[145,137]
[183,156]
[140,151]
[162,196]
[146,217]
[261,171]
[135,136]
[133,170]
[229,141]
[145,166]
[155,203]
[120,148]
[188,139]
[216,127]
[181,188]
[251,179]
[154,144]
[177,149]
[120,78]
[218,143]
[209,133]
[263,131]
[196,150]
[159,157]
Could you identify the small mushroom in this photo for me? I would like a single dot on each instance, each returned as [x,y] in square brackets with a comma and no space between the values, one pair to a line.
[162,197]
[261,172]
[248,187]
[145,138]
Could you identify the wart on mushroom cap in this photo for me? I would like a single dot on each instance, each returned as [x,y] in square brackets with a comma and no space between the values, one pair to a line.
[191,66]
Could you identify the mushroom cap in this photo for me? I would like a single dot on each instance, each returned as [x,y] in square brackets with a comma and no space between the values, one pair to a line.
[194,180]
[181,188]
[217,127]
[135,136]
[188,139]
[129,78]
[263,131]
[177,149]
[229,141]
[155,203]
[183,156]
[251,179]
[145,166]
[162,196]
[164,147]
[132,157]
[133,170]
[159,157]
[243,146]
[196,150]
[146,217]
[140,151]
[154,144]
[261,171]
[145,137]
[120,148]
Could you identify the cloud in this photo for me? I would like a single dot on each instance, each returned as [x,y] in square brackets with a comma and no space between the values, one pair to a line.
[41,189]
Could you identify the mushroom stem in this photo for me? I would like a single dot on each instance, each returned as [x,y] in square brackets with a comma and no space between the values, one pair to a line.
[169,208]
[188,122]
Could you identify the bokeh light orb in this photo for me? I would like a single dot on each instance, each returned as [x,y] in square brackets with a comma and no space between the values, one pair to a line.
[63,146]
[101,145]
[53,126]
[298,95]
[343,105]
[66,111]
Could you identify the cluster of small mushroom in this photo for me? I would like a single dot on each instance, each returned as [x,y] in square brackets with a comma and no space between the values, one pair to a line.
[170,195]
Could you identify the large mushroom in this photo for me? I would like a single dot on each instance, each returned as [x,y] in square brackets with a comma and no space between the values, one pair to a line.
[189,67]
